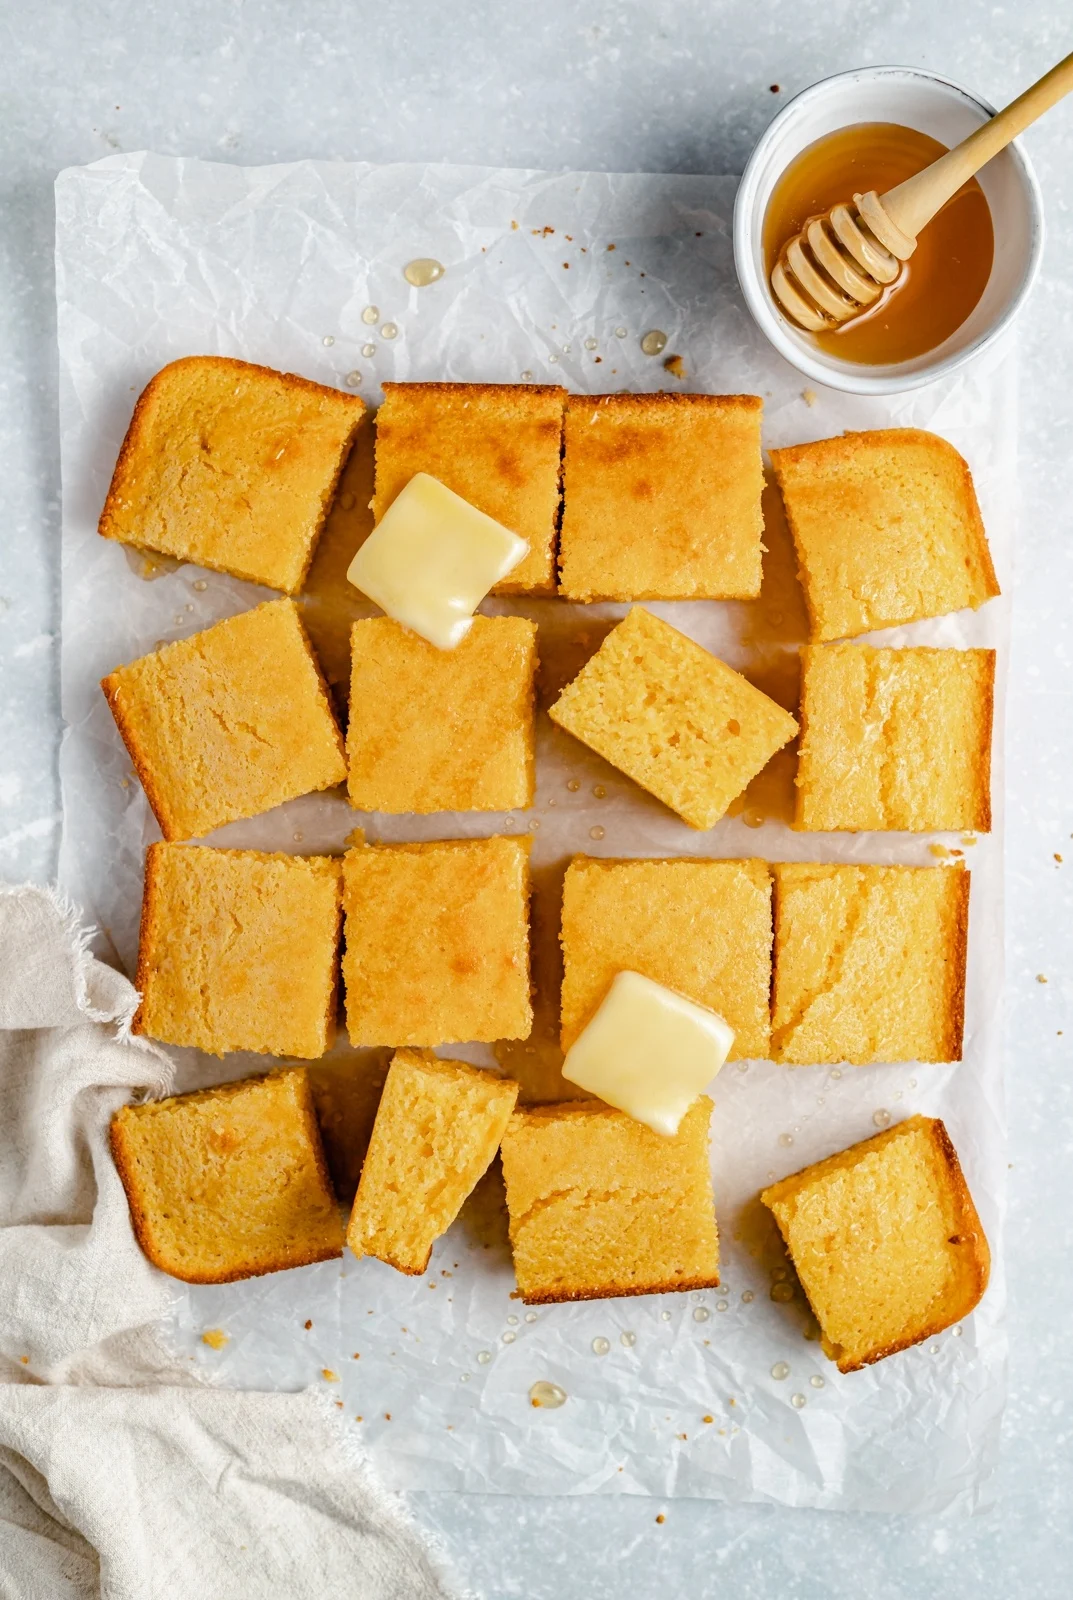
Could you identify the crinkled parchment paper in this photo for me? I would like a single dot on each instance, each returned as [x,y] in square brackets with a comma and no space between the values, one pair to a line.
[158,258]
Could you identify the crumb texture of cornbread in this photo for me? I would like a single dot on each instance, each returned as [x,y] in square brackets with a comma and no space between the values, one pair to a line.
[661,497]
[228,723]
[498,445]
[895,739]
[869,963]
[239,950]
[437,1130]
[672,717]
[437,942]
[887,530]
[231,466]
[885,1240]
[229,1182]
[701,928]
[442,730]
[601,1206]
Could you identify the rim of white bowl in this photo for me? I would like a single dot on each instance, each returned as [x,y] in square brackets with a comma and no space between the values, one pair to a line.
[869,380]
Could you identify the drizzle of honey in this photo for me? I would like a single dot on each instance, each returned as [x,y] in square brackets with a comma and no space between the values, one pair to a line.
[946,274]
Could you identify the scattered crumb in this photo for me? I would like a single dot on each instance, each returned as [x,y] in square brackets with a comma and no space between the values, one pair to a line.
[939,850]
[809,396]
[970,838]
[1057,857]
[1041,977]
[339,1405]
[675,366]
[707,1419]
[25,1360]
[514,225]
[611,247]
[597,359]
[387,1416]
[542,233]
[569,237]
[356,1356]
[307,1325]
[661,1518]
[957,852]
[359,1419]
[732,1402]
[328,1375]
[775,88]
[215,1338]
[683,1436]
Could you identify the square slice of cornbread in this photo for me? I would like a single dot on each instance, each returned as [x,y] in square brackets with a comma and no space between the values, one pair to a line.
[442,730]
[661,497]
[869,963]
[887,530]
[701,928]
[601,1206]
[230,1182]
[437,942]
[231,466]
[895,739]
[498,445]
[436,1132]
[228,723]
[239,950]
[672,717]
[885,1240]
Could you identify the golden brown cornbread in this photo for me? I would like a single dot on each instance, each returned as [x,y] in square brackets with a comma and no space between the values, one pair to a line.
[675,719]
[702,928]
[228,723]
[346,1093]
[601,1206]
[239,950]
[887,530]
[498,445]
[895,739]
[437,942]
[228,1183]
[231,466]
[869,963]
[661,497]
[442,730]
[885,1240]
[437,1130]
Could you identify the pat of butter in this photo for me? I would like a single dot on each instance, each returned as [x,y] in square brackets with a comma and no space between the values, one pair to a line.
[649,1051]
[432,558]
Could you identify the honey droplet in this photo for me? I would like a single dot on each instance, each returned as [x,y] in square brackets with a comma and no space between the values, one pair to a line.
[534,825]
[484,1356]
[599,791]
[600,1345]
[370,315]
[328,340]
[368,349]
[701,1314]
[353,379]
[423,270]
[781,1370]
[786,1138]
[747,1297]
[665,1316]
[553,357]
[752,818]
[721,1305]
[816,1381]
[389,330]
[782,1293]
[573,784]
[597,832]
[463,1377]
[881,1118]
[654,342]
[836,1072]
[297,836]
[510,1336]
[547,1396]
[200,585]
[530,1316]
[527,376]
[797,1401]
[627,1340]
[512,1320]
[590,344]
[620,333]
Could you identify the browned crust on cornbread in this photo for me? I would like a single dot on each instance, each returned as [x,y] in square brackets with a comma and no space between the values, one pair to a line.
[150,897]
[616,1292]
[138,428]
[139,1216]
[983,822]
[129,734]
[955,1011]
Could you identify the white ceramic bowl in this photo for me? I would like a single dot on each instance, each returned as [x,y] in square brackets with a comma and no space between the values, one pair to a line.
[932,105]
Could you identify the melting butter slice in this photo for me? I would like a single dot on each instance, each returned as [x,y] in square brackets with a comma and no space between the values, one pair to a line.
[432,558]
[649,1051]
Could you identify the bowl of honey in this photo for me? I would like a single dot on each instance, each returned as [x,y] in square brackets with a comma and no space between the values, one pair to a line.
[974,264]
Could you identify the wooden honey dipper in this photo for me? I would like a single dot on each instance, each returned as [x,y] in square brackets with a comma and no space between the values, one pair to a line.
[840,264]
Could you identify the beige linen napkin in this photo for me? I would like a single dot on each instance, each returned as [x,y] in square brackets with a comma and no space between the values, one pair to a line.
[120,1476]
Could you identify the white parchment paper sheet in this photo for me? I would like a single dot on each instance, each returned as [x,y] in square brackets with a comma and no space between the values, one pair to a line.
[158,258]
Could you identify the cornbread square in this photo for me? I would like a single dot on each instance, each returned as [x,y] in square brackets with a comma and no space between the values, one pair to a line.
[442,730]
[601,1206]
[239,950]
[228,723]
[675,719]
[887,530]
[661,497]
[885,1240]
[498,445]
[230,1182]
[437,1130]
[437,942]
[231,466]
[701,928]
[895,739]
[869,963]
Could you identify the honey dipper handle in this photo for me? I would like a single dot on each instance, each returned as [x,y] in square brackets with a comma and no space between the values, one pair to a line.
[913,203]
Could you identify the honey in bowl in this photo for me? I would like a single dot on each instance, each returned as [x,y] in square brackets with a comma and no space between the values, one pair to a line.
[944,277]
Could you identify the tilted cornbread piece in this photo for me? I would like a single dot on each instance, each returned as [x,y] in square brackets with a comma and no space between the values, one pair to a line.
[895,739]
[228,723]
[885,1240]
[239,950]
[702,928]
[869,963]
[661,497]
[601,1206]
[436,1132]
[887,530]
[230,1182]
[498,445]
[231,466]
[442,730]
[437,942]
[672,717]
